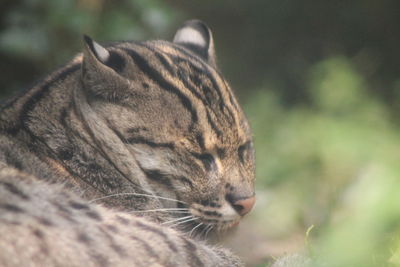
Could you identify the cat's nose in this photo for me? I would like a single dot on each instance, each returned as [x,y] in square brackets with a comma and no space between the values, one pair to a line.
[243,205]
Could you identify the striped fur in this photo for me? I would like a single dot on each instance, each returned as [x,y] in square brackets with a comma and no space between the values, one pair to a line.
[67,231]
[133,125]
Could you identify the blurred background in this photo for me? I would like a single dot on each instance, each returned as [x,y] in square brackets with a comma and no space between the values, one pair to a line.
[319,81]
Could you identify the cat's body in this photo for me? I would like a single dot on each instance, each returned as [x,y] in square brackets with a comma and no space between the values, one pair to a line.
[45,225]
[150,127]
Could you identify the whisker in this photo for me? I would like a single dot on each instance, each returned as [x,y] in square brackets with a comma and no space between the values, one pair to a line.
[164,209]
[211,227]
[179,219]
[185,221]
[205,229]
[136,194]
[194,228]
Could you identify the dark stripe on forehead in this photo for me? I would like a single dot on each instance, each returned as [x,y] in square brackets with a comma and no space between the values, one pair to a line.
[199,91]
[153,74]
[205,70]
[162,58]
[184,79]
[205,67]
[214,82]
[217,131]
[174,72]
[202,92]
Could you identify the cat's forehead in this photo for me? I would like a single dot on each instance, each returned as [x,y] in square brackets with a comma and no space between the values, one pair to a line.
[179,82]
[164,53]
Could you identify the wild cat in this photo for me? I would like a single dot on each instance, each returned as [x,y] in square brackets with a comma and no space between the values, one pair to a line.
[128,155]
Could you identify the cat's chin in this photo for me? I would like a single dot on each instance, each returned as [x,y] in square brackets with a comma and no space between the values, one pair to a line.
[211,232]
[226,231]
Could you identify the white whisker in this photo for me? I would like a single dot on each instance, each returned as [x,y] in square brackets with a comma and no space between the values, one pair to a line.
[172,210]
[211,227]
[202,233]
[194,228]
[163,209]
[185,221]
[136,194]
[179,219]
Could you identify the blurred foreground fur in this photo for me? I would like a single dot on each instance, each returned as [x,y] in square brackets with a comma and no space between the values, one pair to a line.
[293,260]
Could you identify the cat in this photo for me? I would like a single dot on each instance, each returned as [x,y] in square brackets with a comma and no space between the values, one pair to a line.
[128,155]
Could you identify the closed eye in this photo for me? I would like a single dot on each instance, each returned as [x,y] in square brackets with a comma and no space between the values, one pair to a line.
[207,160]
[166,179]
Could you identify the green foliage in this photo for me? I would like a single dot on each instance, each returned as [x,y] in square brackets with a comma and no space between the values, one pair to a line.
[42,34]
[35,28]
[332,164]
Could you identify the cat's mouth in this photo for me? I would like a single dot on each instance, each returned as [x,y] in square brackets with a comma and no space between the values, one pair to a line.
[205,217]
[204,221]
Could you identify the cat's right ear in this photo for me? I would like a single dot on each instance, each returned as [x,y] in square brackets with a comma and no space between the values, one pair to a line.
[100,71]
[197,37]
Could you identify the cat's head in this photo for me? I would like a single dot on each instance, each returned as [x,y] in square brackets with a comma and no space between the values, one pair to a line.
[180,121]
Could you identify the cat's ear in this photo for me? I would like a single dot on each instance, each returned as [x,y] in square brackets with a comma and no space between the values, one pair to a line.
[196,36]
[93,49]
[100,69]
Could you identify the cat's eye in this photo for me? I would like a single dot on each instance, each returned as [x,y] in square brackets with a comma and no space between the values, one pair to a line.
[245,151]
[207,160]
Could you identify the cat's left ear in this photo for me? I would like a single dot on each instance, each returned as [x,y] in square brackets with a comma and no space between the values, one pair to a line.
[197,37]
[97,54]
[100,71]
[96,50]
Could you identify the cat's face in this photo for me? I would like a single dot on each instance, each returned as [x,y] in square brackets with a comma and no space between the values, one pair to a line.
[180,121]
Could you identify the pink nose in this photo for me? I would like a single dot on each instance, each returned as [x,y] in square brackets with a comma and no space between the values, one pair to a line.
[244,206]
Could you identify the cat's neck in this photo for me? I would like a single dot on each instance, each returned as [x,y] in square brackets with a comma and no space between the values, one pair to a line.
[47,121]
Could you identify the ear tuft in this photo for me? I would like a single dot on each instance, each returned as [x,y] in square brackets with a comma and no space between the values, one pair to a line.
[97,50]
[196,36]
[100,72]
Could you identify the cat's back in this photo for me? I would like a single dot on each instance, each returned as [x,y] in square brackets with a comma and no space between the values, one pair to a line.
[42,224]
